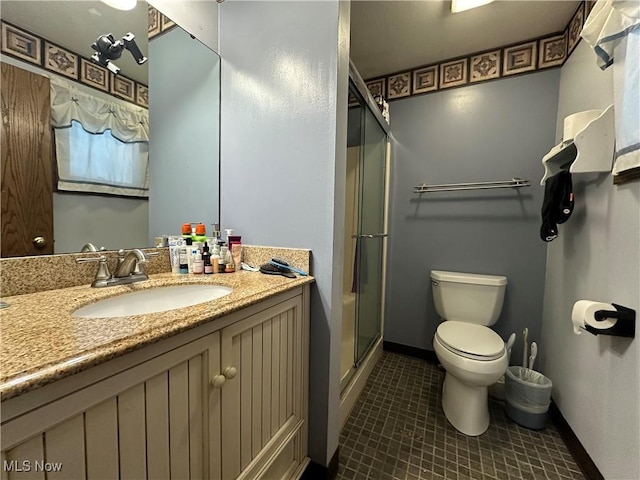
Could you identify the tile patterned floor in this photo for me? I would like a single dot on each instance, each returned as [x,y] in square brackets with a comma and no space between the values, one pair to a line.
[397,430]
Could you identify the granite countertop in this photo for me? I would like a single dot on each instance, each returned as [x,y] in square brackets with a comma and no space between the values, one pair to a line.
[42,342]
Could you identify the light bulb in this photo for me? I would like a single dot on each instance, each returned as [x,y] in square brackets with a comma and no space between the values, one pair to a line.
[462,5]
[121,4]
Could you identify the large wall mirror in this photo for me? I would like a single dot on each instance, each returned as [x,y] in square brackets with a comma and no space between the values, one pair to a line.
[183,100]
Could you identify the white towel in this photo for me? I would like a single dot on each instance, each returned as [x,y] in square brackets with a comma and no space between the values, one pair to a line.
[613,30]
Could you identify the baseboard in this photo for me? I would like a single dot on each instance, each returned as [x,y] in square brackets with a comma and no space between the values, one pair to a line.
[428,355]
[580,455]
[315,471]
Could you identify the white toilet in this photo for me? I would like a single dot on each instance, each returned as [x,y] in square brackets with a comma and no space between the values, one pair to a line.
[473,355]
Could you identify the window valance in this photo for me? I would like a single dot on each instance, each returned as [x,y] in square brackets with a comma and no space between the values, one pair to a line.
[127,123]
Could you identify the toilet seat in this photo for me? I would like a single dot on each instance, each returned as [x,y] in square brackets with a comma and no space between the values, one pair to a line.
[469,340]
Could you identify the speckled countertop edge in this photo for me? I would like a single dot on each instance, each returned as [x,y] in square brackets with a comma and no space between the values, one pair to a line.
[25,275]
[42,342]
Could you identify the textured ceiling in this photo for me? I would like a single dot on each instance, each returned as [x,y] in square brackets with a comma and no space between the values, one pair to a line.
[392,36]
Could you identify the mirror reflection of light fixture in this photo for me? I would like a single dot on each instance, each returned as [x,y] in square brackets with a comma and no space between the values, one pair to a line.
[108,48]
[462,5]
[120,4]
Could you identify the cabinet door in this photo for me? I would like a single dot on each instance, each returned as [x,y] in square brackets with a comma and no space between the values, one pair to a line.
[262,400]
[155,420]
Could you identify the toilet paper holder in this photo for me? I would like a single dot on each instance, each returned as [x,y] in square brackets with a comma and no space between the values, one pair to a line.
[624,327]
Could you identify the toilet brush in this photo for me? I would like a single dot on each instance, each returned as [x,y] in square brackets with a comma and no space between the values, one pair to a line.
[509,344]
[532,357]
[525,333]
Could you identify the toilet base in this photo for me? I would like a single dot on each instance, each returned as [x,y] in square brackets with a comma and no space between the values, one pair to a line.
[465,406]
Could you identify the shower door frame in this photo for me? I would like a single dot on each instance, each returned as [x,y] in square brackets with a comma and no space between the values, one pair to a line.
[371,106]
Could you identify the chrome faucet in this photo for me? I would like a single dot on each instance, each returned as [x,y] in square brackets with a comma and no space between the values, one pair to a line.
[128,270]
[88,247]
[129,265]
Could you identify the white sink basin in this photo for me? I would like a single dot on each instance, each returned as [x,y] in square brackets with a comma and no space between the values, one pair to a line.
[152,300]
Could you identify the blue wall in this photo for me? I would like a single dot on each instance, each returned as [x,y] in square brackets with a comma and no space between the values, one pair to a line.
[184,99]
[283,153]
[596,382]
[487,132]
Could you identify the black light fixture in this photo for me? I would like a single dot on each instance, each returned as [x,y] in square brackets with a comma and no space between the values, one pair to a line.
[108,48]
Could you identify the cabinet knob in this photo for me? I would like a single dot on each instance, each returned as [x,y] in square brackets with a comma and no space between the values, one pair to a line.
[218,381]
[230,372]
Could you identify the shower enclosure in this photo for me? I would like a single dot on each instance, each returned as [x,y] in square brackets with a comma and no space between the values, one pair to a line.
[365,232]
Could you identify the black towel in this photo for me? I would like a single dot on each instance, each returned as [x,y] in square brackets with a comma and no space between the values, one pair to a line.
[557,205]
[565,192]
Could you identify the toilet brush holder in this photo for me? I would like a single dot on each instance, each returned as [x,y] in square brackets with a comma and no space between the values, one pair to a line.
[528,396]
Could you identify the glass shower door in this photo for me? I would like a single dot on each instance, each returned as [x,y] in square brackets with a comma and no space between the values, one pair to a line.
[370,236]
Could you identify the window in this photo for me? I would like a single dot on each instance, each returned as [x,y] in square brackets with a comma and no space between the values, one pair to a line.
[101,146]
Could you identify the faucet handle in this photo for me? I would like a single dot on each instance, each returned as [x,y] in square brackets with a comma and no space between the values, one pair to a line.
[139,268]
[101,258]
[103,269]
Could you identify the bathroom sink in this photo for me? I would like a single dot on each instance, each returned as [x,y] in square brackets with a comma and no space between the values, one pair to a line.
[152,300]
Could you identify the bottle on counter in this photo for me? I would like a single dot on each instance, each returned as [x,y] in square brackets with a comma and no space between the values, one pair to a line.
[190,252]
[184,260]
[187,230]
[206,259]
[198,263]
[215,259]
[224,262]
[200,234]
[236,255]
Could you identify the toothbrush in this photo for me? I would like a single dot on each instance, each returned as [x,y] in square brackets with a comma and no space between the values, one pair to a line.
[282,264]
[509,344]
[525,333]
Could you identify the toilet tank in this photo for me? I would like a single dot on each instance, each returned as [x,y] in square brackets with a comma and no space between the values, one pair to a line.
[468,297]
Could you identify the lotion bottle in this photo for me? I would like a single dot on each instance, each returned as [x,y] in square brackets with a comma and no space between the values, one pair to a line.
[198,263]
[215,259]
[236,254]
[184,260]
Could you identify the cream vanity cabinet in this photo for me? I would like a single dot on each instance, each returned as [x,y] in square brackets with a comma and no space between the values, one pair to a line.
[221,401]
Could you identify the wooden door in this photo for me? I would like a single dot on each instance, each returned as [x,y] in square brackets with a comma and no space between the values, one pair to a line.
[27,184]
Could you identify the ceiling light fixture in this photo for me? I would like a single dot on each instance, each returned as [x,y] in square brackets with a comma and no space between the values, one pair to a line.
[462,5]
[121,4]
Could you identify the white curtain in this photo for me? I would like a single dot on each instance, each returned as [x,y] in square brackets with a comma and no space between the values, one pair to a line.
[101,146]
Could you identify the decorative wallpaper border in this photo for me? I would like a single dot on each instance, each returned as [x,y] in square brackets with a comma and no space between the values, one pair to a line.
[158,23]
[525,57]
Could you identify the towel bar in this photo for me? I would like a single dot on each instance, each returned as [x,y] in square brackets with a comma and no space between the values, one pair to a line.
[451,187]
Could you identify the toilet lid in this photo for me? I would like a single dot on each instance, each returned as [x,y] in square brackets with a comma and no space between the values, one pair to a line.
[470,340]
